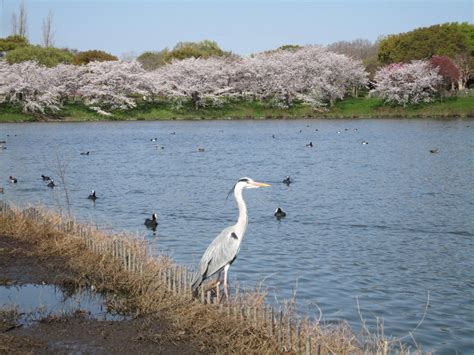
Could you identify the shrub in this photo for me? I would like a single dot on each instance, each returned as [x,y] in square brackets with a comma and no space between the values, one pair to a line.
[86,57]
[49,57]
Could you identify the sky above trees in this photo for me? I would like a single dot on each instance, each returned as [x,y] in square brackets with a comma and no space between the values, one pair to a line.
[244,27]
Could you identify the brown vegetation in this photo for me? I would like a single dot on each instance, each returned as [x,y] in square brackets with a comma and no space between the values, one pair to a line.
[147,286]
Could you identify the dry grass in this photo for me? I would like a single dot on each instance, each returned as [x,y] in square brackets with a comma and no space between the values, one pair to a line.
[215,328]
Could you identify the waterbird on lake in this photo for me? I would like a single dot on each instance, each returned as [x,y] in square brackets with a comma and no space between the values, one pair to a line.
[279,213]
[200,149]
[85,153]
[436,150]
[152,223]
[92,196]
[154,139]
[45,177]
[12,179]
[273,136]
[287,180]
[51,183]
[364,142]
[224,249]
[310,144]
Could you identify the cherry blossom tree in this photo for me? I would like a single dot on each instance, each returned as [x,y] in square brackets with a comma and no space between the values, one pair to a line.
[112,85]
[30,85]
[410,83]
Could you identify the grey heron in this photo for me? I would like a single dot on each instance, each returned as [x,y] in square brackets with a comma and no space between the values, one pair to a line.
[223,250]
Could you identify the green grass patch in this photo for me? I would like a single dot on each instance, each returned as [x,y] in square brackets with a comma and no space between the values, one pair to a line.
[362,107]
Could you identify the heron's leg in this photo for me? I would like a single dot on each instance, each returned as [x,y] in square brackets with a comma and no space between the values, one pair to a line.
[226,291]
[218,283]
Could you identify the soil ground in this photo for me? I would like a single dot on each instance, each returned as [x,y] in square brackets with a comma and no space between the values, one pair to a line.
[76,333]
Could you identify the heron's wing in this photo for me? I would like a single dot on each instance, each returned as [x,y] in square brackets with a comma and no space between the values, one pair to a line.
[222,251]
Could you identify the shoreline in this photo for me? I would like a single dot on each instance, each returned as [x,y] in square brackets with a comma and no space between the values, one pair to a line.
[152,290]
[350,108]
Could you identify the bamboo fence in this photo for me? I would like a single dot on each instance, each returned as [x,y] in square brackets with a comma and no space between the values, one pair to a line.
[290,333]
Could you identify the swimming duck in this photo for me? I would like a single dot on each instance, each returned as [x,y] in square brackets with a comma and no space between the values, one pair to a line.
[436,150]
[45,177]
[152,223]
[279,213]
[310,144]
[51,183]
[92,196]
[287,180]
[12,179]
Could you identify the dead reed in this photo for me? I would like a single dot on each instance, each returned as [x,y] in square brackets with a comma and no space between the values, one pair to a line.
[121,266]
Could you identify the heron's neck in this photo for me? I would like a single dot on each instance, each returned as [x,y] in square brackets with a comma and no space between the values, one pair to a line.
[241,224]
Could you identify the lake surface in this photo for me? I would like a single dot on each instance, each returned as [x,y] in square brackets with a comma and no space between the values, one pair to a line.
[384,224]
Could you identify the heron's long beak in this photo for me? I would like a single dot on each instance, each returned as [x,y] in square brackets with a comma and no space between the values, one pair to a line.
[260,184]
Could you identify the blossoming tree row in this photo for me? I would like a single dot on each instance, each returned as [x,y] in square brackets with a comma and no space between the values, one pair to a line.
[310,75]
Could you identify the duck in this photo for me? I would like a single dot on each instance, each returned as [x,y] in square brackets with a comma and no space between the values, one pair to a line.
[287,180]
[151,223]
[92,196]
[434,151]
[200,149]
[279,213]
[85,153]
[12,179]
[51,183]
[45,177]
[154,139]
[310,144]
[364,142]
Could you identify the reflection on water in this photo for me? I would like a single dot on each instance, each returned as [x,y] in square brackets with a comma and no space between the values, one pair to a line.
[385,223]
[35,302]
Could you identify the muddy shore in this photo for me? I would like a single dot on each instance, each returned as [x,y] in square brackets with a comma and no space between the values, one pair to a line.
[20,264]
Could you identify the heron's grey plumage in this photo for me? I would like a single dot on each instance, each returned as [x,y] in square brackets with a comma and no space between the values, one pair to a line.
[223,250]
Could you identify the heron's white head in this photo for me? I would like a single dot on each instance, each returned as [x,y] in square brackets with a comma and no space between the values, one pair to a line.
[248,183]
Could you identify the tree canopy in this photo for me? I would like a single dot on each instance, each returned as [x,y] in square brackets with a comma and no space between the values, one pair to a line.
[449,39]
[49,57]
[93,56]
[182,50]
[12,42]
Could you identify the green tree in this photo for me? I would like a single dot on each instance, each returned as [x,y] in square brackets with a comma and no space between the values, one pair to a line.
[93,56]
[45,56]
[12,42]
[182,50]
[449,39]
[153,60]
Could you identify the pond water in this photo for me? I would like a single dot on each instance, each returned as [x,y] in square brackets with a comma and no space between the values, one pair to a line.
[383,224]
[37,302]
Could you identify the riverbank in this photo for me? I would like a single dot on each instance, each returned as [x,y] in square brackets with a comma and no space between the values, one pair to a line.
[41,248]
[23,263]
[363,107]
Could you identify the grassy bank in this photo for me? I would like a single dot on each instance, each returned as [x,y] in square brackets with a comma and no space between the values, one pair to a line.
[145,288]
[349,108]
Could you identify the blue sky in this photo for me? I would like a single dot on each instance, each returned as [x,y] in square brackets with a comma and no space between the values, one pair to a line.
[240,26]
